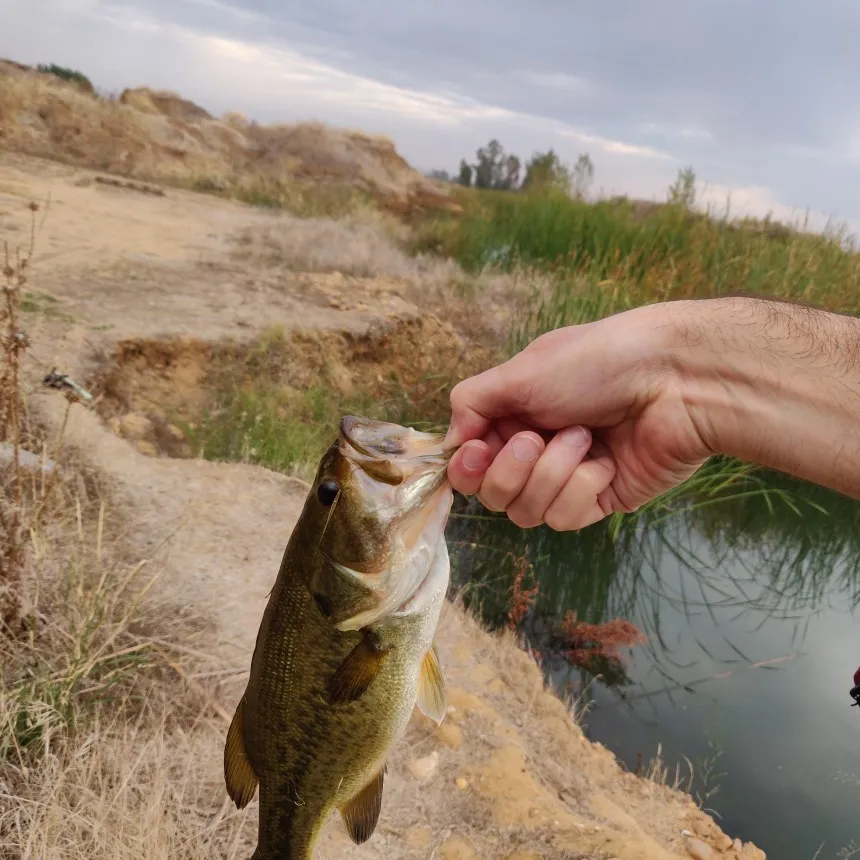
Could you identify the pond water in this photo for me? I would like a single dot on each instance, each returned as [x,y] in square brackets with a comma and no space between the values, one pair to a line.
[749,613]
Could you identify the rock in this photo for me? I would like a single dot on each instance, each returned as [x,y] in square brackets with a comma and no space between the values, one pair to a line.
[462,783]
[738,845]
[133,426]
[27,460]
[147,448]
[424,767]
[699,850]
[752,852]
[723,842]
[175,433]
[524,855]
[457,848]
[702,827]
[419,837]
[450,734]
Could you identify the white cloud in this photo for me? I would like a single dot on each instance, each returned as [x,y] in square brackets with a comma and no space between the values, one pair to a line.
[615,147]
[686,131]
[760,202]
[557,81]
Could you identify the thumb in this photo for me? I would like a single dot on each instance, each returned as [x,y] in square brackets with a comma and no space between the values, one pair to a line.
[500,392]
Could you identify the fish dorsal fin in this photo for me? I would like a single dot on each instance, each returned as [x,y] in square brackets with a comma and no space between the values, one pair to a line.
[357,671]
[238,773]
[431,687]
[362,812]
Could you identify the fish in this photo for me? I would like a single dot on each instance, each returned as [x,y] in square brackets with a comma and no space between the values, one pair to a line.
[346,645]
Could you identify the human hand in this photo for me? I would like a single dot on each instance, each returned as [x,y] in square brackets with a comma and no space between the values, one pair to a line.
[585,421]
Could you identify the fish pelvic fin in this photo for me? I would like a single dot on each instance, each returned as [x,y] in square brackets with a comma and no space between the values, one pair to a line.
[431,687]
[361,814]
[356,673]
[238,773]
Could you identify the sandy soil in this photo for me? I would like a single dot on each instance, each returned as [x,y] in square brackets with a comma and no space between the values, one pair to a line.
[508,774]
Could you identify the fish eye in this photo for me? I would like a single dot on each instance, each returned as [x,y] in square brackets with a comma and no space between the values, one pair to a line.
[327,492]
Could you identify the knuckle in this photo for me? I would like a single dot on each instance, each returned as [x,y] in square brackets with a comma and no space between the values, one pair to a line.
[459,394]
[489,502]
[523,519]
[559,520]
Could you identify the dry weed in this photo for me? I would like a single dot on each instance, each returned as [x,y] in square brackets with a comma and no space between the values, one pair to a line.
[356,245]
[77,778]
[143,791]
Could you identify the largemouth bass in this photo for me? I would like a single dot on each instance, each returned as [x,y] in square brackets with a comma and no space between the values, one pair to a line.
[345,647]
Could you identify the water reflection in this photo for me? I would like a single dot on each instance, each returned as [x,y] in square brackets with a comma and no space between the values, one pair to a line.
[748,609]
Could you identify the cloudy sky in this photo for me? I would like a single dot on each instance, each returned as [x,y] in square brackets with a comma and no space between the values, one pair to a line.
[761,97]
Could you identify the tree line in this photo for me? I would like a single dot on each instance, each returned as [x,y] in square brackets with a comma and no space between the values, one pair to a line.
[496,169]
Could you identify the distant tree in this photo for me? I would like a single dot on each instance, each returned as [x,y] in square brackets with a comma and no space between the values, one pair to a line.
[583,174]
[465,175]
[490,166]
[441,175]
[546,170]
[683,190]
[510,178]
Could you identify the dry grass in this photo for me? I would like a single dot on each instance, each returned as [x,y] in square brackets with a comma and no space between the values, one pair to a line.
[144,791]
[308,168]
[366,245]
[105,748]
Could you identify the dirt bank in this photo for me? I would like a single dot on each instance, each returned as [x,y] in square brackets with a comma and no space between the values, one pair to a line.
[119,273]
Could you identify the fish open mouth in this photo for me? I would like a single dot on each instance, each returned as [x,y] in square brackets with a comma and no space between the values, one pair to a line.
[381,440]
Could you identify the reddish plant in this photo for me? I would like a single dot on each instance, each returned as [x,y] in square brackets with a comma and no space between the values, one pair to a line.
[588,644]
[521,598]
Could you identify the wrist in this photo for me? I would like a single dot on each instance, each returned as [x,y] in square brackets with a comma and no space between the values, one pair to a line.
[772,383]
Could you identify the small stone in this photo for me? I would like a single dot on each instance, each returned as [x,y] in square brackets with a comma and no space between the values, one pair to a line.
[134,426]
[699,850]
[723,842]
[457,848]
[423,768]
[737,845]
[752,852]
[419,837]
[450,734]
[462,783]
[147,448]
[702,826]
[175,433]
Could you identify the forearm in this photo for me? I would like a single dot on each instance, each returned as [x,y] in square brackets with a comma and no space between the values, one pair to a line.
[775,384]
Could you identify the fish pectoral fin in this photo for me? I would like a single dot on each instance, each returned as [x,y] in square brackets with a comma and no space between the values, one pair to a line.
[361,814]
[431,687]
[356,673]
[238,773]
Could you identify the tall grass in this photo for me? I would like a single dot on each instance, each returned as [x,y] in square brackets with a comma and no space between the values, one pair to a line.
[639,254]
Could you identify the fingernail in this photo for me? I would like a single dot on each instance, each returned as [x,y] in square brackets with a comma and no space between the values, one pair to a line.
[576,437]
[474,458]
[525,449]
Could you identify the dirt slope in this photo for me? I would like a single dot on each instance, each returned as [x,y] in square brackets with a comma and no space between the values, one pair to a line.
[159,135]
[508,774]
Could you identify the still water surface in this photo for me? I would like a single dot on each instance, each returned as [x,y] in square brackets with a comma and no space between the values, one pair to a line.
[774,748]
